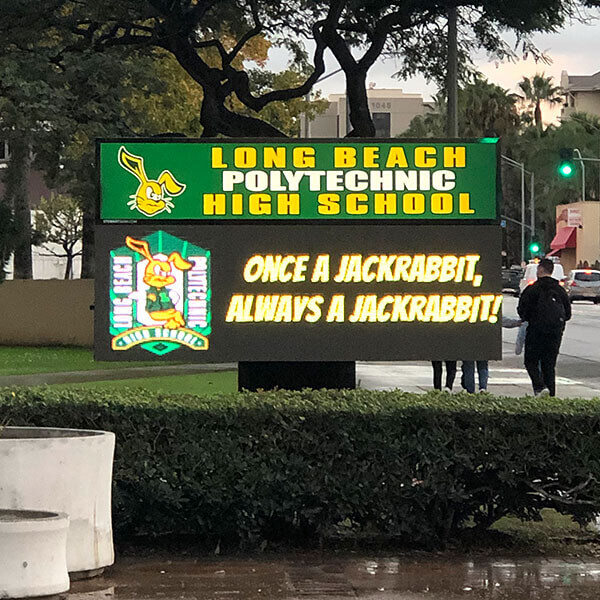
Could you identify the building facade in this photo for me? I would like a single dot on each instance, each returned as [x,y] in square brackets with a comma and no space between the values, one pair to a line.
[582,93]
[44,264]
[577,239]
[392,112]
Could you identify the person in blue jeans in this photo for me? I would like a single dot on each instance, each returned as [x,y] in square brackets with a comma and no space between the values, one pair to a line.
[467,378]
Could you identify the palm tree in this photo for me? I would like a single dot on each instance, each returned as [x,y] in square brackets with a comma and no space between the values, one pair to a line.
[540,89]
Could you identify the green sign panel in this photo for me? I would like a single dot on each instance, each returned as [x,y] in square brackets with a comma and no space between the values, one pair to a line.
[391,180]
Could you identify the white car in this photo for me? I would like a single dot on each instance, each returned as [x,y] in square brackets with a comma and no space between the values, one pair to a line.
[530,275]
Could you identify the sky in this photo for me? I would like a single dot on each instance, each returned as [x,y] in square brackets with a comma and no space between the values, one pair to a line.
[575,49]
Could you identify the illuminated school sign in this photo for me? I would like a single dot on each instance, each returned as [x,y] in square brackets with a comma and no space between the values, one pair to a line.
[391,180]
[208,293]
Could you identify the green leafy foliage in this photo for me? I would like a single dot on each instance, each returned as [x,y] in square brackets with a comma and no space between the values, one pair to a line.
[247,469]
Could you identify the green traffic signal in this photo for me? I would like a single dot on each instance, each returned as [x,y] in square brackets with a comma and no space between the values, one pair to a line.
[566,167]
[534,247]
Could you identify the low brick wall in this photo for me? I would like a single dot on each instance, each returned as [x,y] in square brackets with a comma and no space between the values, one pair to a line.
[47,312]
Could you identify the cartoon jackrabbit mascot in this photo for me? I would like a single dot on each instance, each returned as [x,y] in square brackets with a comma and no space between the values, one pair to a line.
[158,275]
[150,197]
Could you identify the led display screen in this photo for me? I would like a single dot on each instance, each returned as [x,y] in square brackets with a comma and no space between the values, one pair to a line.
[290,292]
[223,180]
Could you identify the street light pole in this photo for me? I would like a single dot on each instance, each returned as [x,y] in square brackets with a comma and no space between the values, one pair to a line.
[580,158]
[523,212]
[521,167]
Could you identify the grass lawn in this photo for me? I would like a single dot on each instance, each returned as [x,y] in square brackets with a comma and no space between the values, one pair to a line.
[555,534]
[22,360]
[201,384]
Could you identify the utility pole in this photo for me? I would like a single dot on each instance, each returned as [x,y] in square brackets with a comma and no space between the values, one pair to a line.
[452,69]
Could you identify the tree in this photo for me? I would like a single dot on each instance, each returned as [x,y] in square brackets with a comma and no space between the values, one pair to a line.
[540,89]
[484,110]
[59,222]
[357,32]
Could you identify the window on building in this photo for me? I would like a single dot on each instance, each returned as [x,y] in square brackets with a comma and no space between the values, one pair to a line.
[382,124]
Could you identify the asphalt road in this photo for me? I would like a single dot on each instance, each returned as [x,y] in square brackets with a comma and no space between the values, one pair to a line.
[578,370]
[580,350]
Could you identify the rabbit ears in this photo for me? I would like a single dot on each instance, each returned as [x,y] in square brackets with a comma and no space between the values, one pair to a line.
[142,247]
[170,184]
[133,164]
[139,246]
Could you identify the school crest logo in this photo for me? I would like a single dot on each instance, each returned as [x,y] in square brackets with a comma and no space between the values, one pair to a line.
[159,294]
[151,196]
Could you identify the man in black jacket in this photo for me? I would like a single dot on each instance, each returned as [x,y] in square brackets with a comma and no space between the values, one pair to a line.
[546,307]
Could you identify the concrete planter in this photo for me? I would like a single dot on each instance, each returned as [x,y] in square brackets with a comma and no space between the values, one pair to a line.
[67,471]
[33,553]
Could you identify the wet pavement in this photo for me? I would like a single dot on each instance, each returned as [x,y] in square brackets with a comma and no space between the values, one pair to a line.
[327,577]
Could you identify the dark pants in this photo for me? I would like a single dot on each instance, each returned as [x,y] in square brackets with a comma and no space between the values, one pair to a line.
[437,373]
[541,352]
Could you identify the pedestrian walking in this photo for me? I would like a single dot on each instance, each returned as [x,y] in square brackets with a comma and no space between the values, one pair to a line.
[467,378]
[437,374]
[546,307]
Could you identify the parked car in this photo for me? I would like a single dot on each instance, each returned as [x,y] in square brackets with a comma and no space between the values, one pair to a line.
[583,284]
[530,275]
[510,280]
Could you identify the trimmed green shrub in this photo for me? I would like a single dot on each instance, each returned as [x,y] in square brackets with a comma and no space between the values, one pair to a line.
[293,466]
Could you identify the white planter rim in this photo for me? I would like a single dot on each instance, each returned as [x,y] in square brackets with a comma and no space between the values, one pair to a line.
[12,521]
[37,433]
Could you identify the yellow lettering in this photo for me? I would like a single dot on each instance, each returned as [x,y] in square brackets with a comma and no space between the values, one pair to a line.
[265,307]
[314,306]
[254,268]
[244,157]
[214,204]
[288,204]
[336,309]
[344,156]
[303,158]
[463,308]
[274,157]
[300,268]
[321,269]
[385,204]
[352,204]
[370,157]
[237,204]
[329,204]
[455,156]
[383,315]
[464,204]
[259,204]
[425,157]
[217,158]
[396,158]
[447,308]
[442,204]
[413,204]
[368,276]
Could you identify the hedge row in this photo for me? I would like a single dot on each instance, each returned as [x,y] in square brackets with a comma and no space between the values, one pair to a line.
[293,466]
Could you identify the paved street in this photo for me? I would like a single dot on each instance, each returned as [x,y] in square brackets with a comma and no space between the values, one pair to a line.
[578,365]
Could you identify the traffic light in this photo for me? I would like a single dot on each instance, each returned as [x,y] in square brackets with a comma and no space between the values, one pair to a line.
[534,247]
[566,166]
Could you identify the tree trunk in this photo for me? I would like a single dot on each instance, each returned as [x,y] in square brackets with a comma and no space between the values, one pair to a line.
[17,178]
[358,102]
[69,267]
[538,115]
[87,240]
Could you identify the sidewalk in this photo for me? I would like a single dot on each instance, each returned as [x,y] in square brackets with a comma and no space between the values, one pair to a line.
[329,576]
